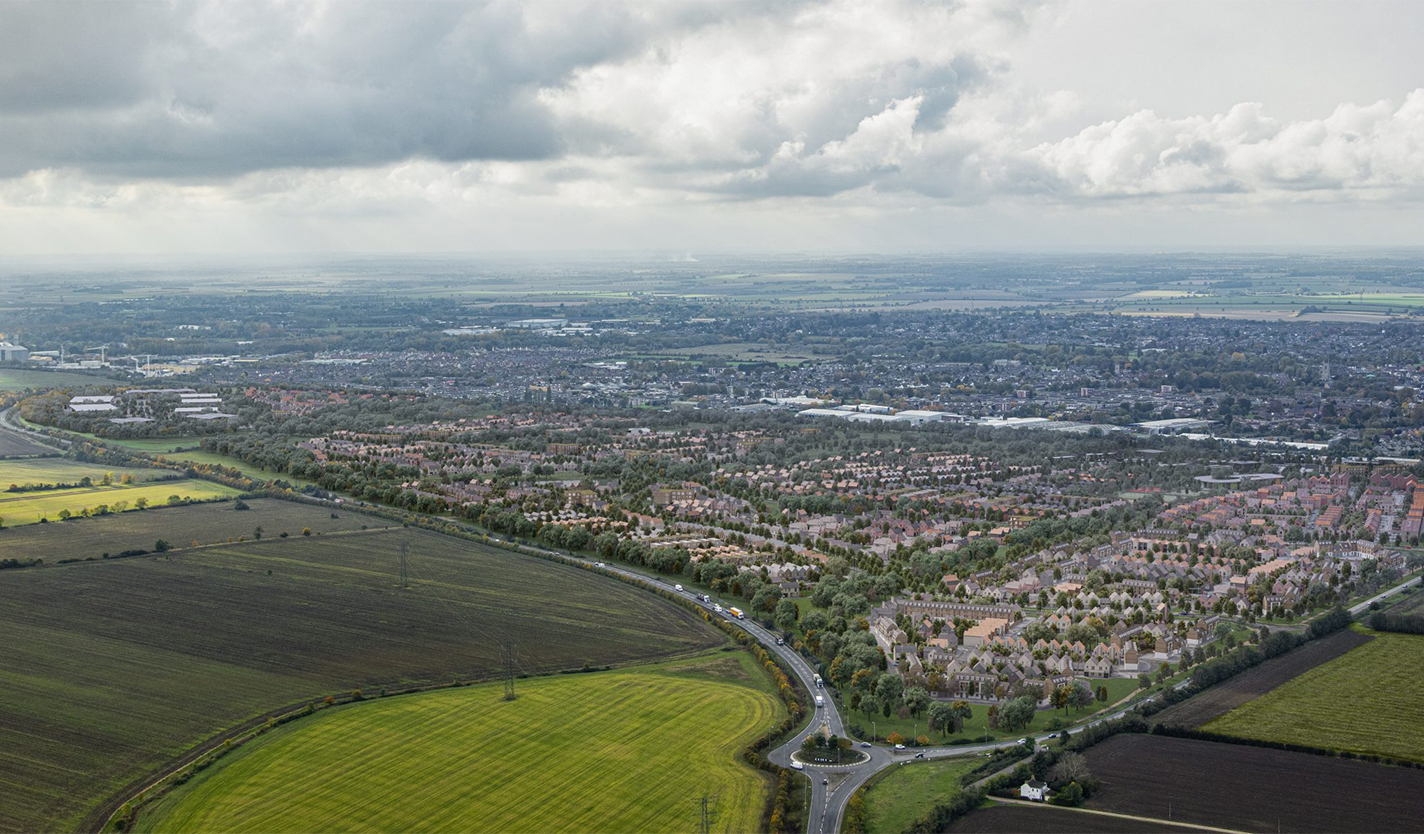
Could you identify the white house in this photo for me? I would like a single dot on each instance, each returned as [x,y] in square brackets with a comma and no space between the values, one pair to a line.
[1035,790]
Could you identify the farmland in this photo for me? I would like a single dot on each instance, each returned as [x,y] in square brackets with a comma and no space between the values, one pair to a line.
[115,668]
[15,379]
[65,471]
[15,444]
[612,746]
[1251,788]
[1238,690]
[187,450]
[30,507]
[1020,819]
[181,526]
[1366,701]
[904,794]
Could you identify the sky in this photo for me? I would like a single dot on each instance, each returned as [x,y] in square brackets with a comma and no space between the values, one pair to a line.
[686,126]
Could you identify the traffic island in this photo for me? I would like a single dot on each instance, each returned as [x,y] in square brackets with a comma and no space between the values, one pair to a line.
[820,757]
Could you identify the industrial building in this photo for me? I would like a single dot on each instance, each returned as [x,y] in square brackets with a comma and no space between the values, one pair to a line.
[10,352]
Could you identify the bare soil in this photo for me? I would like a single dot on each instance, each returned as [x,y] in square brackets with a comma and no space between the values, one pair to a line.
[1252,788]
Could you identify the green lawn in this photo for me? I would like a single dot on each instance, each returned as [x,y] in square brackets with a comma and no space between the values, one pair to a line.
[113,668]
[1365,701]
[621,751]
[907,792]
[29,507]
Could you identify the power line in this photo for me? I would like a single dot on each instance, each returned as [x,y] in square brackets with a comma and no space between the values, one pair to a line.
[707,813]
[509,667]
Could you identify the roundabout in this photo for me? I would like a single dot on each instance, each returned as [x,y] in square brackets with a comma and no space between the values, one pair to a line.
[818,757]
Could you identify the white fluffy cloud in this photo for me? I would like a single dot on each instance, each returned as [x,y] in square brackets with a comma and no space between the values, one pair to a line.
[1374,150]
[494,110]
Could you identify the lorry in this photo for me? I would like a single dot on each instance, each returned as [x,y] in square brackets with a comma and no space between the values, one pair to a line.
[820,701]
[818,680]
[737,612]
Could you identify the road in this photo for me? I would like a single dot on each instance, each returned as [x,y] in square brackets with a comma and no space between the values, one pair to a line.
[1355,610]
[831,786]
[7,421]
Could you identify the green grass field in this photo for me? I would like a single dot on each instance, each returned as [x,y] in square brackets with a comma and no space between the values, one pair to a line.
[16,379]
[30,507]
[621,751]
[167,448]
[1365,701]
[91,538]
[114,668]
[906,793]
[64,471]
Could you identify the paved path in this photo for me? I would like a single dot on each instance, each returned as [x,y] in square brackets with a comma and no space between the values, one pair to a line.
[1156,820]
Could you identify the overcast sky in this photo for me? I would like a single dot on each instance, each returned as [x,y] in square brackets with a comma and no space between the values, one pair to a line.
[708,126]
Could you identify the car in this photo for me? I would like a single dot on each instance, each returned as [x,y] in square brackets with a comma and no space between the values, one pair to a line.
[865,744]
[598,564]
[825,781]
[677,588]
[899,747]
[797,766]
[1030,742]
[919,755]
[780,642]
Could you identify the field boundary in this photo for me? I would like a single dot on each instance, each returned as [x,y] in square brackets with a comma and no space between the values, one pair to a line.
[144,790]
[1226,695]
[1133,817]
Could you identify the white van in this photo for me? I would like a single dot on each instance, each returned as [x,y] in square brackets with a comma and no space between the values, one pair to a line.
[677,588]
[797,766]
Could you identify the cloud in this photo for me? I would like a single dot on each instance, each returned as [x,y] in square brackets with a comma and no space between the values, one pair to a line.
[217,89]
[1374,150]
[463,115]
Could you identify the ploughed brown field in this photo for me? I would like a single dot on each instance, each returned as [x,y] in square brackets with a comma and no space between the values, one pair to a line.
[1252,788]
[1232,693]
[1012,819]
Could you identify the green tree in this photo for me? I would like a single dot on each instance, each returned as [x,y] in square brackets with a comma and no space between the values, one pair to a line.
[786,613]
[1017,714]
[1070,795]
[917,699]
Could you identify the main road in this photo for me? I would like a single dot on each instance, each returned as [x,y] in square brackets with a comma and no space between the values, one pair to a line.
[833,785]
